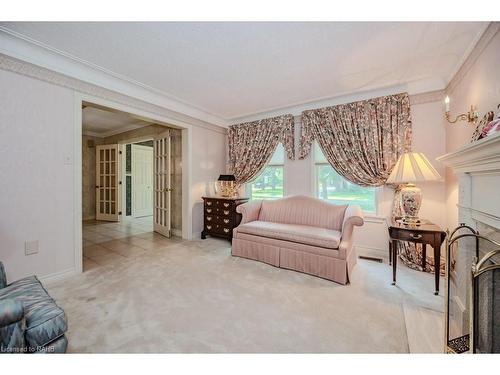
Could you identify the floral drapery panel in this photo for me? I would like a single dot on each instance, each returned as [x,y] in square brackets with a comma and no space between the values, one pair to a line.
[361,140]
[252,144]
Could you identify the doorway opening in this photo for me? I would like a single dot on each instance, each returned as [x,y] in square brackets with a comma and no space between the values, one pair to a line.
[131,185]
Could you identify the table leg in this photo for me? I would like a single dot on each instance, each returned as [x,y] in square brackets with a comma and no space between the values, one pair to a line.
[394,260]
[424,256]
[437,263]
[390,252]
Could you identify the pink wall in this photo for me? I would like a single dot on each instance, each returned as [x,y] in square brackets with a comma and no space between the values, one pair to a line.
[476,83]
[37,173]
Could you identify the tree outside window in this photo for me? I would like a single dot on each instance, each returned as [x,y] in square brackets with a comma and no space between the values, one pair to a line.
[334,188]
[269,184]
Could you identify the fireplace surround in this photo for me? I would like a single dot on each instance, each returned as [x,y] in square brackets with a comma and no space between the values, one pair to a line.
[473,298]
[481,333]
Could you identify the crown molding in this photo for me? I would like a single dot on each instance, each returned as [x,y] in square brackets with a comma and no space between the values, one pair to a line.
[485,38]
[419,91]
[92,134]
[79,74]
[26,56]
[14,65]
[427,97]
[297,108]
[110,133]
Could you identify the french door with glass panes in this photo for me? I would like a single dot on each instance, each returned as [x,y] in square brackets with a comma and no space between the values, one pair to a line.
[162,189]
[107,182]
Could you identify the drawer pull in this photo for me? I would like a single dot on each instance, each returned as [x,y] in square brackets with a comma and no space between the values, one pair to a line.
[209,227]
[209,203]
[226,204]
[416,236]
[226,212]
[209,210]
[226,230]
[226,221]
[209,218]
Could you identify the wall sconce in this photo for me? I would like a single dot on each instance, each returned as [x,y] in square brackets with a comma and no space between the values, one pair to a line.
[471,116]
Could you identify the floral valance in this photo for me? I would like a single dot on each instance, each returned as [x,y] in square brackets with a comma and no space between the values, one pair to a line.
[252,144]
[361,140]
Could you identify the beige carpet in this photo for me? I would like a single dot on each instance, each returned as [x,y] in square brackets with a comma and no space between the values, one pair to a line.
[194,297]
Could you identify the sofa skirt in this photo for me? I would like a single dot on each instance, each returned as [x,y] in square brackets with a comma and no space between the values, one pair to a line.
[289,255]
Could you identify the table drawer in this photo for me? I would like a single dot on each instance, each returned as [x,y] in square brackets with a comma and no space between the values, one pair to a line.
[217,219]
[404,235]
[218,228]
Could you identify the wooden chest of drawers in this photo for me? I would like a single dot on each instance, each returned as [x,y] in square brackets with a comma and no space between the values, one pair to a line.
[220,216]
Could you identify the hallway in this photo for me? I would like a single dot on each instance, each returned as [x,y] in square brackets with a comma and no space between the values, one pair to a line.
[112,242]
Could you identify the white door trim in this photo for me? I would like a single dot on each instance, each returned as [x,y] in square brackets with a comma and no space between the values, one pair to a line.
[187,201]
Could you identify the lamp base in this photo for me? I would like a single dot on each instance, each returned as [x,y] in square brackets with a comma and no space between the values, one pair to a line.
[411,199]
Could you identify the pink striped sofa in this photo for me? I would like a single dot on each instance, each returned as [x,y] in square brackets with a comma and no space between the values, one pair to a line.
[299,233]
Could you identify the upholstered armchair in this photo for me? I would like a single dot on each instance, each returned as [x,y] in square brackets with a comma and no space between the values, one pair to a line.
[30,320]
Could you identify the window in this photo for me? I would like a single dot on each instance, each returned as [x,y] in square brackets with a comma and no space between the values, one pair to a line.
[331,186]
[269,185]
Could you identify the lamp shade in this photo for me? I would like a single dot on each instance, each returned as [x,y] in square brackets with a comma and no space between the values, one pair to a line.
[413,167]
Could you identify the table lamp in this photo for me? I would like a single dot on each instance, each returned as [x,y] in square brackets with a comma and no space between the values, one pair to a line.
[412,167]
[227,185]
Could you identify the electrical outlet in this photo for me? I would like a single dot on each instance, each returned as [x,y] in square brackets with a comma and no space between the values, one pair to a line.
[31,247]
[68,159]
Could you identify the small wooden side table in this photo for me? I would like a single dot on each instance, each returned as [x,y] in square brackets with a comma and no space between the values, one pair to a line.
[427,234]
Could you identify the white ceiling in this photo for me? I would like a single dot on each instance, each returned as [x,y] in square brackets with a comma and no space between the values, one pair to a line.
[102,123]
[233,70]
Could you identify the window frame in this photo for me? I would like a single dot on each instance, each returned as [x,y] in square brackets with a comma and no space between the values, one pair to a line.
[248,186]
[314,185]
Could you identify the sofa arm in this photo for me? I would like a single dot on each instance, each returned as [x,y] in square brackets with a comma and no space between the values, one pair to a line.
[249,210]
[353,216]
[3,276]
[12,326]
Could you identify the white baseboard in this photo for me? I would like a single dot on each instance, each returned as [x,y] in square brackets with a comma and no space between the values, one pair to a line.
[372,252]
[177,232]
[197,235]
[57,276]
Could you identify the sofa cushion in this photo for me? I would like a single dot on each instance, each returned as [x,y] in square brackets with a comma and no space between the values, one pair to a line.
[302,210]
[45,321]
[304,234]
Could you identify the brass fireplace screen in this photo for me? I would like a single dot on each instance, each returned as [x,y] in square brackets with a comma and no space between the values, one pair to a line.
[472,292]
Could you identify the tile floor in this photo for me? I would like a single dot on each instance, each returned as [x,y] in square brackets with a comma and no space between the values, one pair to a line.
[111,242]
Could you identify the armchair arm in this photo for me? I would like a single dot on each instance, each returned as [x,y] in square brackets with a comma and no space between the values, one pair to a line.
[12,326]
[353,216]
[3,276]
[11,311]
[249,210]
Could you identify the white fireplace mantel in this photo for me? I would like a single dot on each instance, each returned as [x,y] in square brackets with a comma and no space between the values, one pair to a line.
[479,156]
[477,167]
